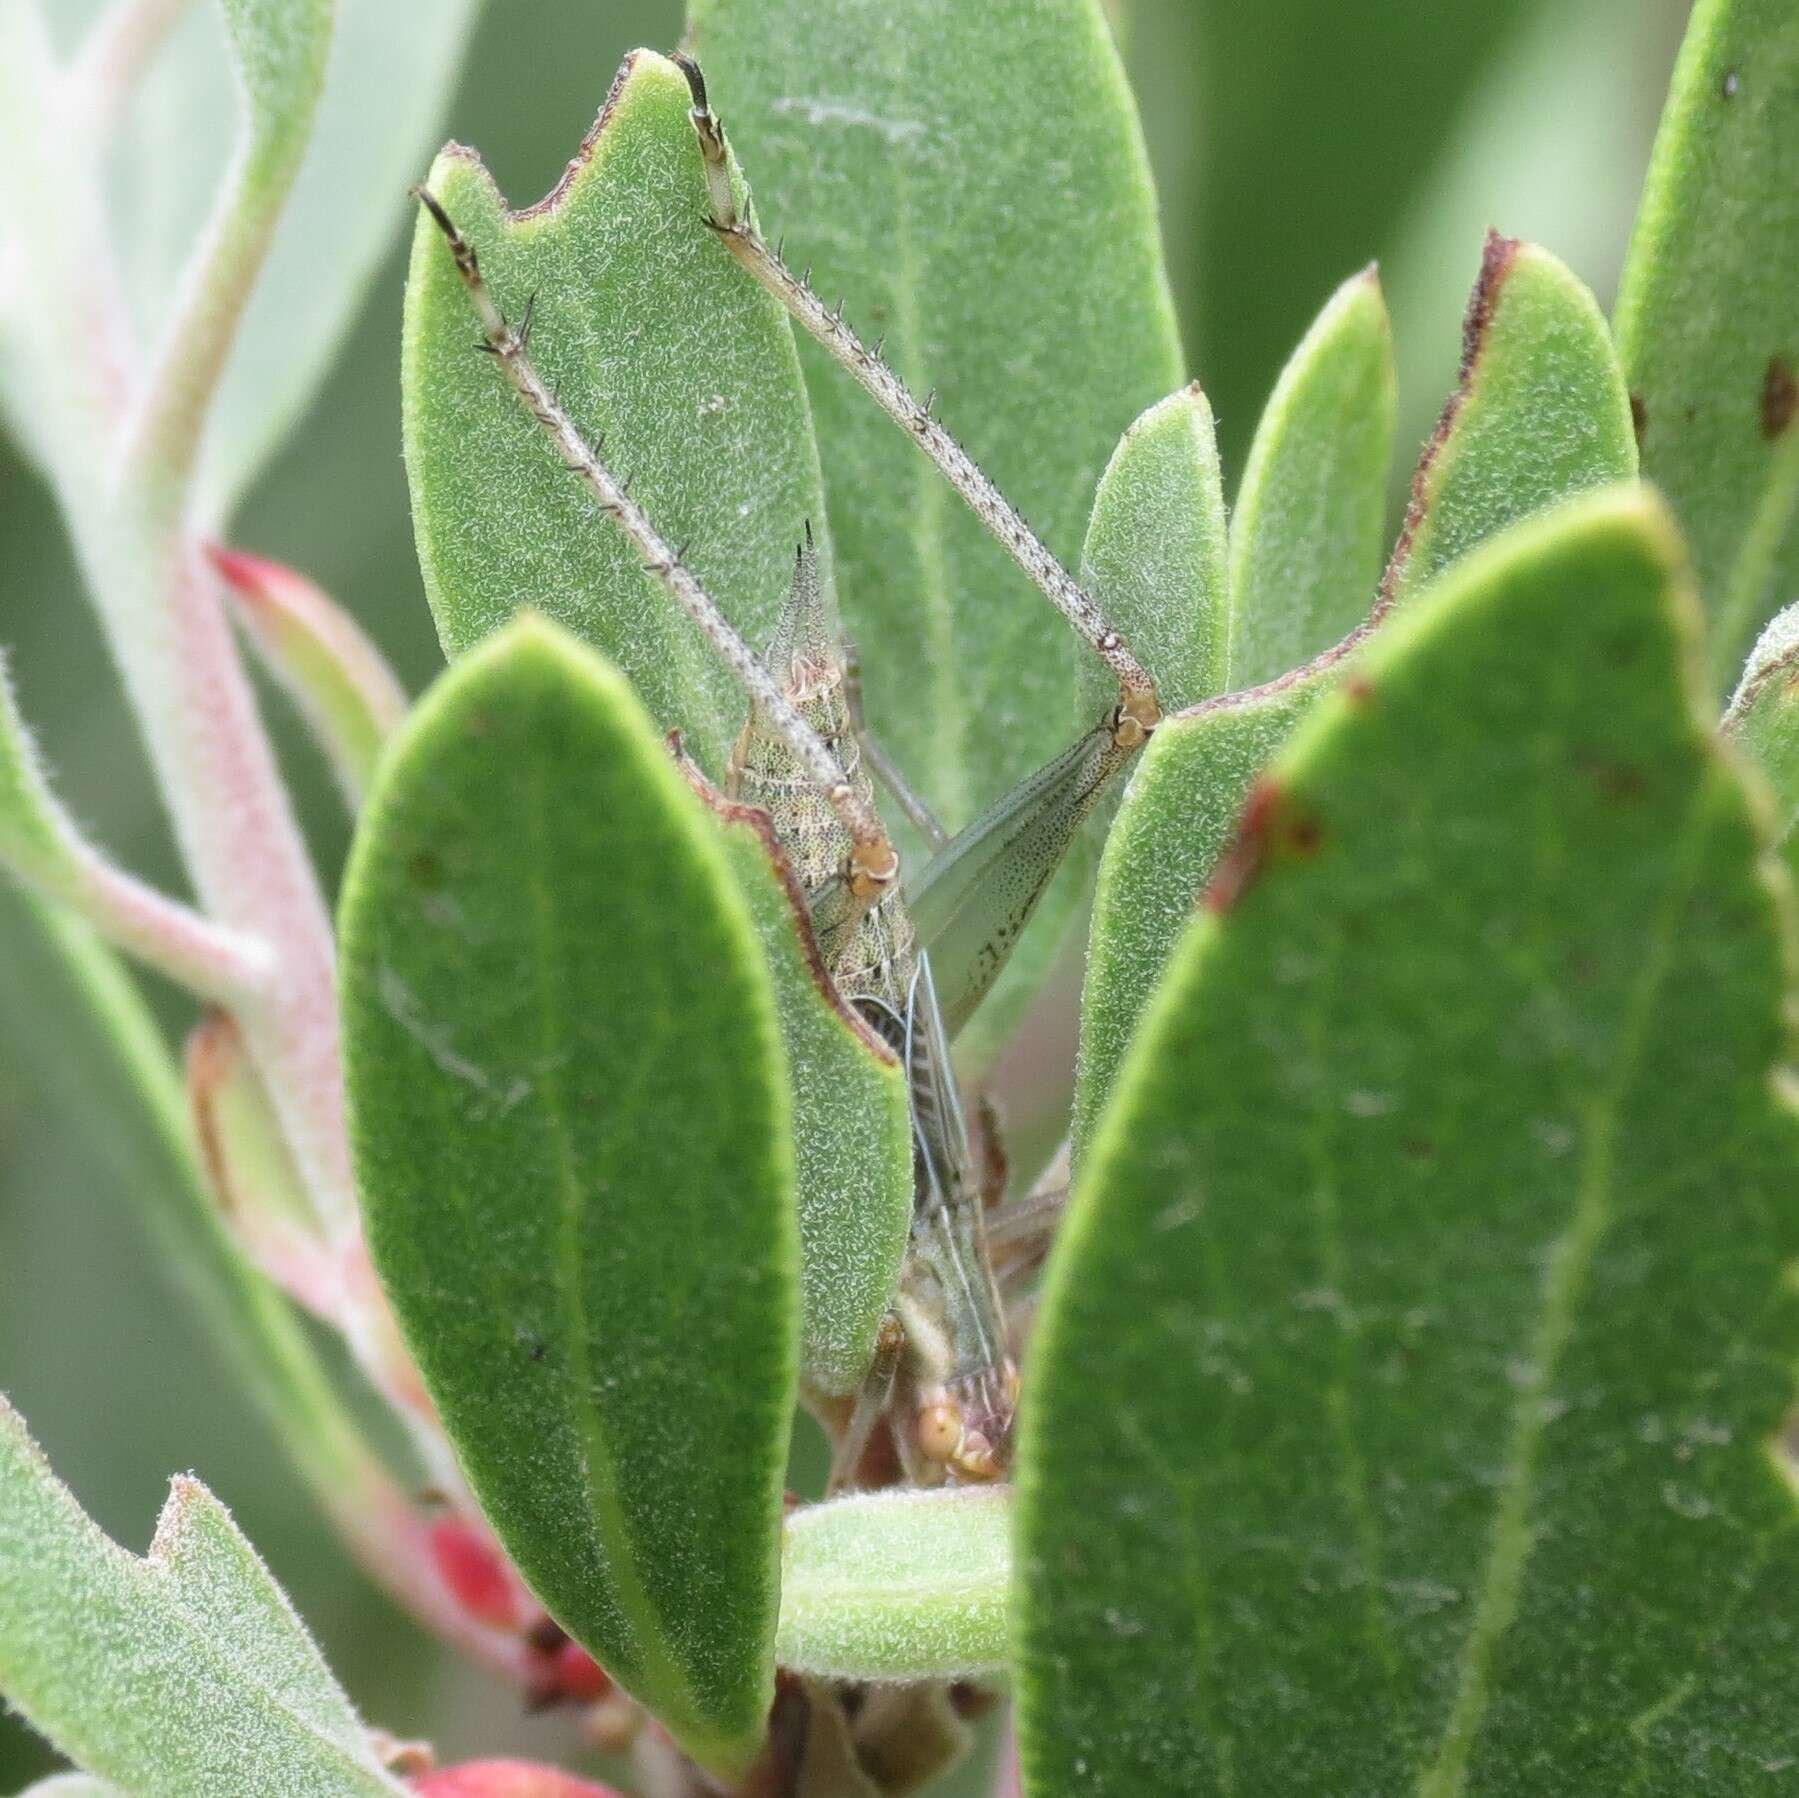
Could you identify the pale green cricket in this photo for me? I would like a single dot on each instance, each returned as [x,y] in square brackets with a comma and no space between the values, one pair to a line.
[913,963]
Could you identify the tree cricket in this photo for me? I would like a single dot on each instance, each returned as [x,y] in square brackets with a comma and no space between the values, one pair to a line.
[914,962]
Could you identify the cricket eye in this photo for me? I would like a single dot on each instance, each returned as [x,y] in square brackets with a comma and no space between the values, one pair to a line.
[939,1430]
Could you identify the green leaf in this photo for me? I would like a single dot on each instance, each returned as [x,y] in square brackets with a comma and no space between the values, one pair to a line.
[279,50]
[1017,272]
[852,1128]
[1311,518]
[572,1134]
[72,1785]
[1404,1409]
[36,835]
[185,1673]
[1155,555]
[1708,311]
[1541,414]
[1176,822]
[393,66]
[1763,715]
[897,1585]
[658,342]
[334,674]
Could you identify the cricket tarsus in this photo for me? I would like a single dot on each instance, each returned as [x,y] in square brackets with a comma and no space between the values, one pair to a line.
[871,868]
[1138,711]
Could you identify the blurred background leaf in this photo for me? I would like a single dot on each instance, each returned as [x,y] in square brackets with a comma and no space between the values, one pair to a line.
[1292,142]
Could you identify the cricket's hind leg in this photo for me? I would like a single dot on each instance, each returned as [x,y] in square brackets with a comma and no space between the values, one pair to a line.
[1138,711]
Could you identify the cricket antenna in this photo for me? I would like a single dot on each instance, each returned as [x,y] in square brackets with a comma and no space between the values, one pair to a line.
[873,862]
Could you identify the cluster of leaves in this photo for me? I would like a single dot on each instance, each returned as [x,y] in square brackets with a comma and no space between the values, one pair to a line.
[1405,1398]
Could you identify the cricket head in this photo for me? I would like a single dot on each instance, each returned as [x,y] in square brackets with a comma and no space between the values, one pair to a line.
[964,1424]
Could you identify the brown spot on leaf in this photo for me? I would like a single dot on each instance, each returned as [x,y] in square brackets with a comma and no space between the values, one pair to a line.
[1242,861]
[1639,417]
[1780,397]
[1358,689]
[1304,835]
[424,868]
[1619,783]
[1419,1148]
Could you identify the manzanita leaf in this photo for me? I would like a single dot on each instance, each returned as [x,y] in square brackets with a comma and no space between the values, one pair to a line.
[1161,854]
[1311,518]
[897,1585]
[1405,1409]
[1708,311]
[1541,414]
[659,344]
[1156,551]
[852,1133]
[72,1785]
[572,1133]
[1763,715]
[1015,271]
[393,66]
[337,678]
[184,1674]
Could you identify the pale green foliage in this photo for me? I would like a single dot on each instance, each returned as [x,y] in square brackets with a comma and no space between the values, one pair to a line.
[1413,1356]
[897,1585]
[572,1129]
[184,1674]
[34,830]
[1310,524]
[1708,315]
[279,49]
[393,64]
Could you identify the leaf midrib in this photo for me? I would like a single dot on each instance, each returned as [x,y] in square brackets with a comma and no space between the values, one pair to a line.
[597,1457]
[1570,1261]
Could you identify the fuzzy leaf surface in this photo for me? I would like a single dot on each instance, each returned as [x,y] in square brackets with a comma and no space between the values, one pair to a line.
[852,1129]
[1155,555]
[1763,715]
[1541,414]
[391,67]
[658,343]
[1708,311]
[1177,820]
[183,1674]
[572,1135]
[1406,1399]
[1016,272]
[1311,517]
[897,1585]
